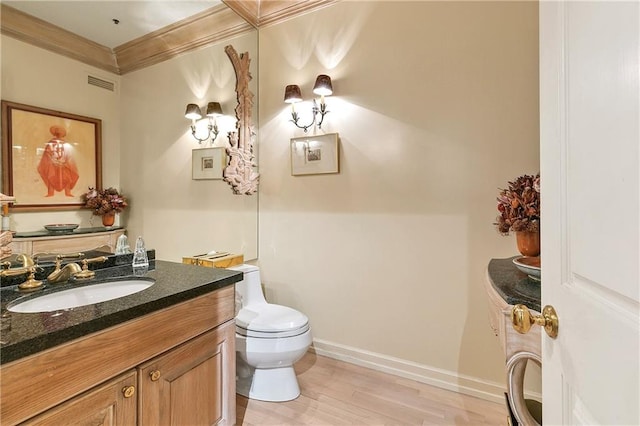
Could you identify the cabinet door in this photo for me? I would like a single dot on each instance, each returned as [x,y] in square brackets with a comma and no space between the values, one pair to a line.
[193,384]
[113,403]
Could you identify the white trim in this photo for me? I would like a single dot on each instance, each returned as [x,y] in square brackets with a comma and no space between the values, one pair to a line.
[449,380]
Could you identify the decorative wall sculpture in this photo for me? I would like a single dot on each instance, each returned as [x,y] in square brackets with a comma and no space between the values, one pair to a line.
[241,172]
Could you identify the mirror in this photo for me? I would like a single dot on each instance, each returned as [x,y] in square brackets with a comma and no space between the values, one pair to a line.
[147,143]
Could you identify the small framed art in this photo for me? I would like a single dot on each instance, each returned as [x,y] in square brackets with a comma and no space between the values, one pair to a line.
[208,163]
[314,155]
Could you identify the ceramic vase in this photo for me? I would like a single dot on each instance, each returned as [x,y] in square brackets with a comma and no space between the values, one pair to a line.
[528,243]
[108,219]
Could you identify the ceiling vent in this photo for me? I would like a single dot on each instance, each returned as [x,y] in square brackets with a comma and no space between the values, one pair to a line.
[105,84]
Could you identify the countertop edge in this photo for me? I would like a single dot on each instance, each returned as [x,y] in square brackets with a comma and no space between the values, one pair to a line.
[24,347]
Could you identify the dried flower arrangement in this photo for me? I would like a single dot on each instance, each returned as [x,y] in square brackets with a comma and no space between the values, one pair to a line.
[519,205]
[103,201]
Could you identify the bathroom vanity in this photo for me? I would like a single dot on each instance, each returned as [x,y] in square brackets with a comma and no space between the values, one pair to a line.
[149,358]
[506,286]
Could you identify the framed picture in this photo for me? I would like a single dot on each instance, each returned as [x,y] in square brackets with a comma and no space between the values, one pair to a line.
[314,155]
[208,163]
[49,158]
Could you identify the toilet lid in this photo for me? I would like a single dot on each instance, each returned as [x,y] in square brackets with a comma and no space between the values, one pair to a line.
[268,320]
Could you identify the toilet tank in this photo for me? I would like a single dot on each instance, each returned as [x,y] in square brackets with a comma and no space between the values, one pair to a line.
[249,290]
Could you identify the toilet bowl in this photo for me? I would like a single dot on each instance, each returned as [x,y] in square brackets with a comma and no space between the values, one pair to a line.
[269,340]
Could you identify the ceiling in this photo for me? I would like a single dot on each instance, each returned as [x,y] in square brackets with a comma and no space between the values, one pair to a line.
[135,18]
[146,32]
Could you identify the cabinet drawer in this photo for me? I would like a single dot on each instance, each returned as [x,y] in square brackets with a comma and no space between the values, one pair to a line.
[104,405]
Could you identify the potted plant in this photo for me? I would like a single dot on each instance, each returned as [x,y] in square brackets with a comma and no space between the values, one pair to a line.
[105,203]
[519,208]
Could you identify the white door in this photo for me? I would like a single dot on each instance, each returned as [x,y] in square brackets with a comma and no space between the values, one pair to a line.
[590,155]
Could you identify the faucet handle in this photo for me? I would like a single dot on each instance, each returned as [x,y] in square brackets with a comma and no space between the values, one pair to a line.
[86,274]
[70,255]
[98,259]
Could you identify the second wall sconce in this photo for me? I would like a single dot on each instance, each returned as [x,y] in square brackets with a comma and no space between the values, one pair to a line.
[194,113]
[292,95]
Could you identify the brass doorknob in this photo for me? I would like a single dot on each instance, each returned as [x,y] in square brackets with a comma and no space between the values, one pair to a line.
[155,375]
[128,391]
[522,320]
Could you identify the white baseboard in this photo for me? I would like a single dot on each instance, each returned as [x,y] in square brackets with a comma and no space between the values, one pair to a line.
[444,379]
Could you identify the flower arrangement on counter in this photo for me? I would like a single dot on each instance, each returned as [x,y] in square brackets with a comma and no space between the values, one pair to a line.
[104,201]
[519,205]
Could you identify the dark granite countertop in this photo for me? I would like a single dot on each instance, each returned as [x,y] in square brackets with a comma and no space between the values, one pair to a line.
[513,285]
[77,231]
[25,334]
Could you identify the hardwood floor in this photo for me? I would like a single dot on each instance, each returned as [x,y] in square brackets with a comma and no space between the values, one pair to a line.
[339,393]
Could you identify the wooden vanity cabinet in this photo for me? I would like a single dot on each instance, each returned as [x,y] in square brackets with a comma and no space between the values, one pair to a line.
[191,345]
[190,385]
[110,404]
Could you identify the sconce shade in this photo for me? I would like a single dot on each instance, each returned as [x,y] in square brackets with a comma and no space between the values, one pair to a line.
[292,94]
[323,85]
[193,112]
[214,109]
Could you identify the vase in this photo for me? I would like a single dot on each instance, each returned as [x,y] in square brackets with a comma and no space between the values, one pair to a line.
[528,243]
[108,219]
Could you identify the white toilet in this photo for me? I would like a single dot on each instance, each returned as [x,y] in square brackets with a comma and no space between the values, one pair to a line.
[269,340]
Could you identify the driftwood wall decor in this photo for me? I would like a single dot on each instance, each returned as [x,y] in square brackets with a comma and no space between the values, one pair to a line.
[240,171]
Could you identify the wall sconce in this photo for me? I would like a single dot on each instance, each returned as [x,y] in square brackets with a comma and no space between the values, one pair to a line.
[292,95]
[194,113]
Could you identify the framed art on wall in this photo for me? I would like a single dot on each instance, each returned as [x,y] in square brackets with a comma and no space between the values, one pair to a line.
[313,155]
[49,158]
[208,163]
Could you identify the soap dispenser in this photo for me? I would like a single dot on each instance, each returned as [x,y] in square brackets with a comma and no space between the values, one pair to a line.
[140,258]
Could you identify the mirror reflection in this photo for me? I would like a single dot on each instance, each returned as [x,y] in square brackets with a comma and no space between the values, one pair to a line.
[147,143]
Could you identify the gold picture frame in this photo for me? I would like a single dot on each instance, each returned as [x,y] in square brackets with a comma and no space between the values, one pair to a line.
[314,155]
[49,158]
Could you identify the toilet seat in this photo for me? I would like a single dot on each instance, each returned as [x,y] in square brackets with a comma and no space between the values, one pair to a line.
[270,321]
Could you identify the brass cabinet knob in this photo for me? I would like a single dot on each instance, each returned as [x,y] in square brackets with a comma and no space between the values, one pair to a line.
[128,391]
[522,320]
[155,375]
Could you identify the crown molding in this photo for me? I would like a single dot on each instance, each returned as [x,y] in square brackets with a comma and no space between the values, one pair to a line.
[276,11]
[189,34]
[267,12]
[201,30]
[231,19]
[247,9]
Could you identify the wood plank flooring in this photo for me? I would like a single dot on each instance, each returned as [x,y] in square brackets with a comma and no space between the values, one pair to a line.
[339,393]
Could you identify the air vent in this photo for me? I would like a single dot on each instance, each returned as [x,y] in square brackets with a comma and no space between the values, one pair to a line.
[105,84]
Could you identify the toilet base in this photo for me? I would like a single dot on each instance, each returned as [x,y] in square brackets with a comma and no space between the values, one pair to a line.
[269,384]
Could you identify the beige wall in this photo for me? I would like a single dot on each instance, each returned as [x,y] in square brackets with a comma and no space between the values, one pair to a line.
[37,77]
[176,215]
[436,104]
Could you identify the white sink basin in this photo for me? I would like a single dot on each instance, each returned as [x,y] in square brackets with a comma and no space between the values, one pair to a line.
[81,296]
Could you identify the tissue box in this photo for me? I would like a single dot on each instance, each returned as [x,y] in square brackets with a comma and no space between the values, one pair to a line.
[218,260]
